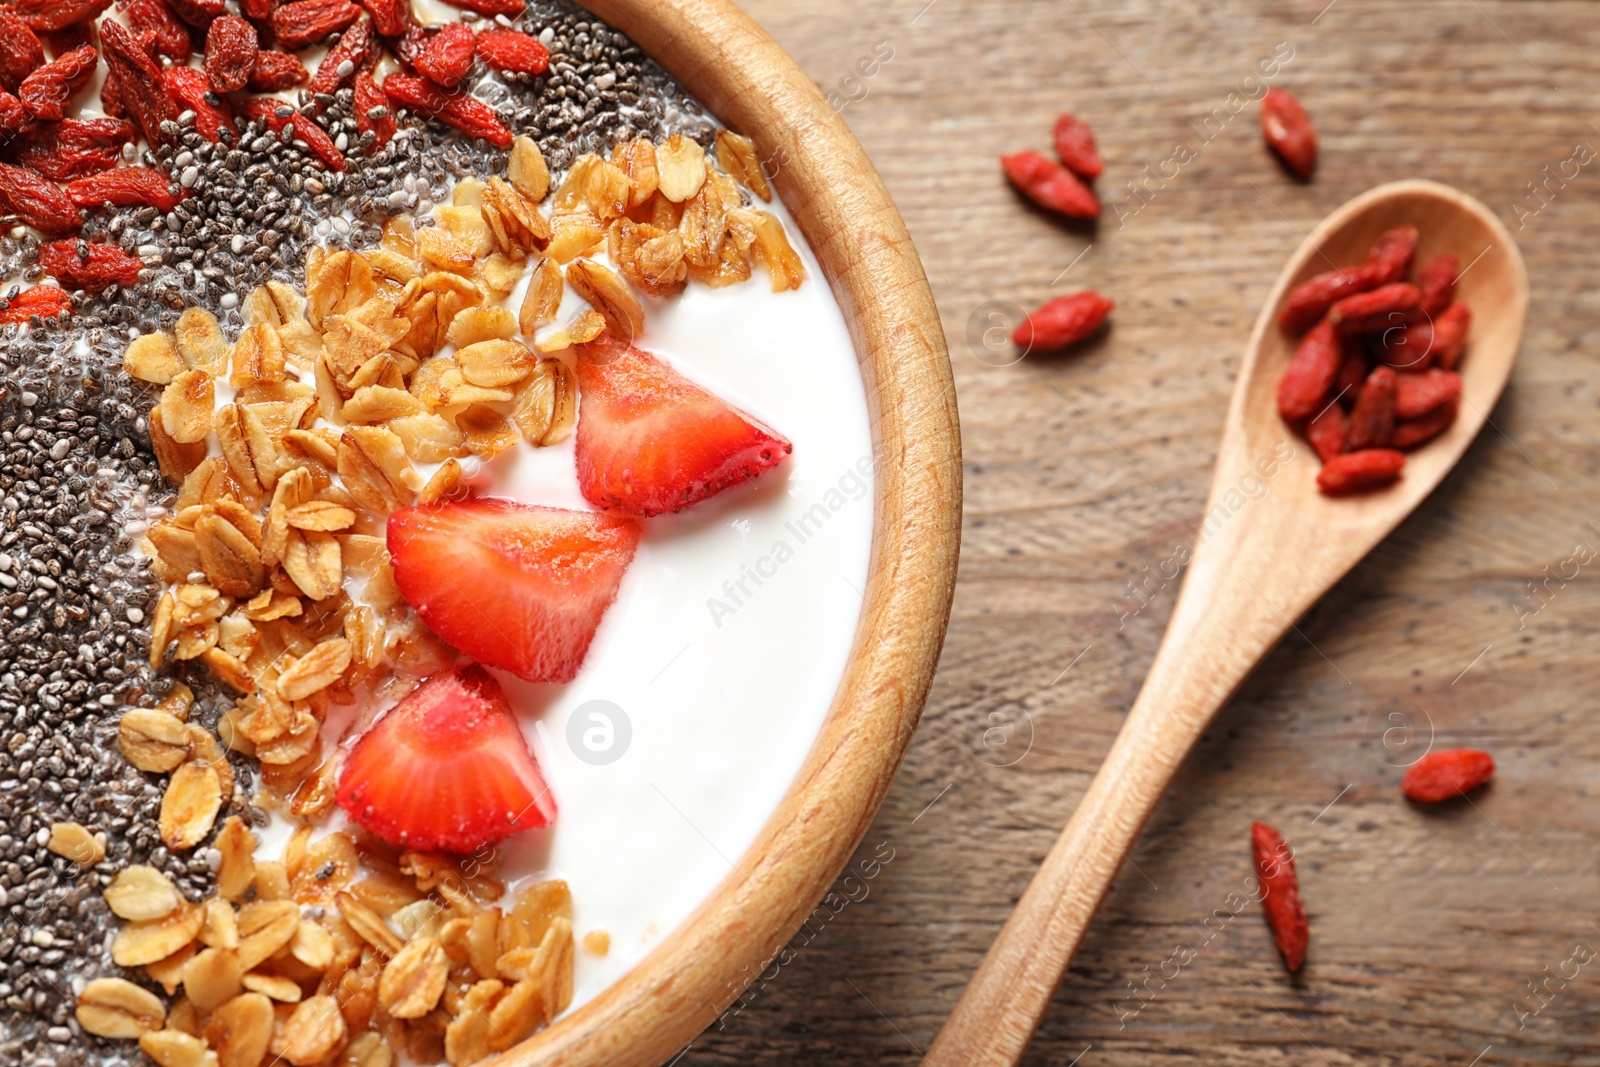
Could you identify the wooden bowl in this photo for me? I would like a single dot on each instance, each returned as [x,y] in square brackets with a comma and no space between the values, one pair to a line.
[844,212]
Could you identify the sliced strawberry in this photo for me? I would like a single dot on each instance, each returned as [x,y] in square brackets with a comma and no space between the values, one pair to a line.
[512,585]
[447,768]
[651,441]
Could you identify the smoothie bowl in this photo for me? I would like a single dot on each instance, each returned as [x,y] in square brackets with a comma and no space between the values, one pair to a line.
[480,517]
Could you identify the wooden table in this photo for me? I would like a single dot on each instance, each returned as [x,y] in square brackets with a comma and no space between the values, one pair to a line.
[1086,473]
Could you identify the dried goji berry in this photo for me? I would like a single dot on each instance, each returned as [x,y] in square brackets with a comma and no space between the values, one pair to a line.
[138,80]
[1437,283]
[1391,254]
[465,113]
[1311,299]
[1076,148]
[1377,309]
[54,15]
[410,46]
[73,148]
[111,95]
[277,71]
[46,90]
[317,142]
[349,55]
[198,13]
[1409,433]
[1352,370]
[13,116]
[45,301]
[58,43]
[508,8]
[20,51]
[1417,394]
[259,11]
[81,265]
[188,88]
[1372,419]
[513,52]
[1063,321]
[1447,773]
[1450,335]
[231,51]
[307,22]
[1280,894]
[369,99]
[1050,185]
[447,55]
[37,202]
[155,16]
[1303,389]
[1287,129]
[1355,471]
[124,187]
[1326,432]
[391,18]
[1407,345]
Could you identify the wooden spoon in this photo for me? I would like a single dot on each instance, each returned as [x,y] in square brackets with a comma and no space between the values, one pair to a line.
[1260,563]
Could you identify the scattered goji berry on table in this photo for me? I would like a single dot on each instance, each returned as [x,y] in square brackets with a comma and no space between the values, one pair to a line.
[1447,773]
[370,102]
[1372,419]
[1311,299]
[508,8]
[1352,472]
[93,267]
[277,71]
[1327,432]
[46,90]
[447,55]
[1437,283]
[1288,132]
[1409,433]
[316,140]
[1418,394]
[36,201]
[338,68]
[72,148]
[189,89]
[1450,335]
[308,22]
[1076,148]
[20,51]
[198,13]
[124,187]
[1377,309]
[1391,253]
[45,301]
[1050,185]
[1063,321]
[1303,389]
[52,15]
[139,80]
[465,113]
[231,52]
[512,52]
[1280,895]
[391,18]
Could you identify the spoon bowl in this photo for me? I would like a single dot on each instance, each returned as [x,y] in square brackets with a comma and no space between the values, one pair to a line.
[1260,562]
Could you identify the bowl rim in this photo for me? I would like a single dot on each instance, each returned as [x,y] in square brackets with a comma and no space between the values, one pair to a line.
[845,213]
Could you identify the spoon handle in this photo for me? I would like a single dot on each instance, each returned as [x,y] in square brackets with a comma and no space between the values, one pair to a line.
[1220,629]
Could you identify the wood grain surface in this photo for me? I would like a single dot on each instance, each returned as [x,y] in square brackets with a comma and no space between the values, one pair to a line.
[1452,936]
